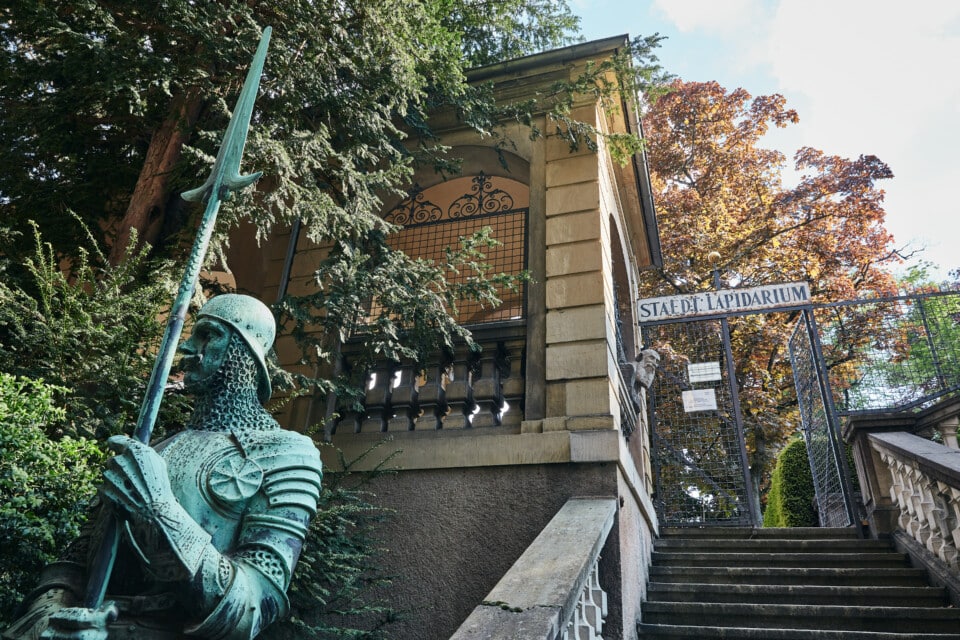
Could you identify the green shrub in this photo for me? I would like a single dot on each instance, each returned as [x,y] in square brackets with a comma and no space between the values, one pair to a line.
[91,330]
[790,500]
[44,486]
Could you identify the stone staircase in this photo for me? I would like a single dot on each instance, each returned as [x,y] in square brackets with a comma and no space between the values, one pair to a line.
[789,584]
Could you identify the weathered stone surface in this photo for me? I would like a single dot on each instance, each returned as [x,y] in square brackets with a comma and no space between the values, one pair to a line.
[570,198]
[574,258]
[492,622]
[595,446]
[577,360]
[576,323]
[548,572]
[573,227]
[588,397]
[572,170]
[575,290]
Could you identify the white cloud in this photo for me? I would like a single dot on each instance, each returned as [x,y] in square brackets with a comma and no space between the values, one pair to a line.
[880,78]
[718,16]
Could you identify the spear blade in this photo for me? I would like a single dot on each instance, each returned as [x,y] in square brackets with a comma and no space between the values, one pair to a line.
[225,176]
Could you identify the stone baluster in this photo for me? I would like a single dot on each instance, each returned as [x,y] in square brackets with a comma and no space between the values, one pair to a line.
[929,509]
[460,390]
[487,395]
[587,620]
[950,524]
[403,398]
[378,398]
[349,421]
[940,542]
[350,414]
[952,495]
[922,505]
[948,431]
[512,383]
[431,396]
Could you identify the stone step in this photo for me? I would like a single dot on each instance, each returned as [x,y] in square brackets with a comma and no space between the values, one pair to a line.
[779,545]
[816,617]
[918,596]
[855,576]
[665,632]
[806,533]
[769,559]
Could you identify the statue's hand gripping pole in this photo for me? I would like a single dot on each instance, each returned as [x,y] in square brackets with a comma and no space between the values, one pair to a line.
[224,179]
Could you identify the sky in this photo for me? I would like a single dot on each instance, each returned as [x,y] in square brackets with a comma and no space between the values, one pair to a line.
[872,77]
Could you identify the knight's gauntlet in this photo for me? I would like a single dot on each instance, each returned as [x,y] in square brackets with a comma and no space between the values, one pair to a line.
[171,543]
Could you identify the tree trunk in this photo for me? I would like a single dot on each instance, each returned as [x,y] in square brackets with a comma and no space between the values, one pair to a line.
[148,203]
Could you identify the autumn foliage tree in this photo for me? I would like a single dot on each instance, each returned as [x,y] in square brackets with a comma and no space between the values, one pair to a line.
[717,189]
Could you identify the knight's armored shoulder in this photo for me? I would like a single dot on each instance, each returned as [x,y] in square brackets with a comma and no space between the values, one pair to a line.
[291,468]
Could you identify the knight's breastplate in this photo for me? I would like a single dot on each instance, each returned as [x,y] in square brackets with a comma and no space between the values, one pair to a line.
[212,480]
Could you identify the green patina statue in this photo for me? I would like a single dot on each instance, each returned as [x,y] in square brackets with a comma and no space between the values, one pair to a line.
[212,519]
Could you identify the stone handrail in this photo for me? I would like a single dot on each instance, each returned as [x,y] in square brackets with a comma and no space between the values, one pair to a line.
[924,484]
[552,591]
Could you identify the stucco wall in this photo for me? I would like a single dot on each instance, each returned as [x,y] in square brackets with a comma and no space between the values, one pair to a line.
[456,532]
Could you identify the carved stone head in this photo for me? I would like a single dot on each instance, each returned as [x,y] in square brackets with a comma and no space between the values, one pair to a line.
[649,361]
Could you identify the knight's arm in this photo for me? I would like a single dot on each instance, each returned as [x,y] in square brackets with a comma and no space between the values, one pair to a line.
[235,592]
[243,591]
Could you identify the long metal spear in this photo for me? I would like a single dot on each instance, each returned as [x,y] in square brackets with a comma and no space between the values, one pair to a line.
[224,179]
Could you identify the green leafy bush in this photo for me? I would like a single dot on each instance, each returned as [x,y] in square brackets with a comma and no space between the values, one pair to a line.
[90,329]
[44,486]
[790,499]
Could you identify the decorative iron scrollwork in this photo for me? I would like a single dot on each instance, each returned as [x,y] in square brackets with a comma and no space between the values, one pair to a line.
[482,199]
[414,209]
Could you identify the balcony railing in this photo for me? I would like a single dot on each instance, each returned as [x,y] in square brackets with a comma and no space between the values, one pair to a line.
[461,389]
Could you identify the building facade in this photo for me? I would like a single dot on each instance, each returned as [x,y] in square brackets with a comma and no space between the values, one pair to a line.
[490,447]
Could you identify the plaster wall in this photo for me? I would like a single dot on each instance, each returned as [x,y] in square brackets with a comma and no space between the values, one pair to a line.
[456,532]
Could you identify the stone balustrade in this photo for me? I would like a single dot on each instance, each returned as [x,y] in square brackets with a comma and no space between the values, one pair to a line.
[552,592]
[924,484]
[587,620]
[460,389]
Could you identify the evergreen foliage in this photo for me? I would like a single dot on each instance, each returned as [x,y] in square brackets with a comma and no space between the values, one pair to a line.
[790,499]
[116,108]
[90,329]
[44,485]
[110,109]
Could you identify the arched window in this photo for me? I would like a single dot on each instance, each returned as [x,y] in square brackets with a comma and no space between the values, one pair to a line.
[436,218]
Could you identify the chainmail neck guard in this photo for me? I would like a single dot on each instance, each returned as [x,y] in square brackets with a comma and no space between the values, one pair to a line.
[229,402]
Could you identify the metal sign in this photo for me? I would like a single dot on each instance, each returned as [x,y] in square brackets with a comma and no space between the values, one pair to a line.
[699,400]
[703,372]
[724,301]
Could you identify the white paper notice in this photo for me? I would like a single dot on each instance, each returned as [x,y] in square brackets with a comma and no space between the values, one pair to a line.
[703,371]
[699,400]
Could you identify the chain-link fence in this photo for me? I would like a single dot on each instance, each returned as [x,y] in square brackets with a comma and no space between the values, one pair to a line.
[699,456]
[826,467]
[892,354]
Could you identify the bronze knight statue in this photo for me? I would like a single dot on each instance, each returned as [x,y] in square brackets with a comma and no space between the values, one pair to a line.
[212,519]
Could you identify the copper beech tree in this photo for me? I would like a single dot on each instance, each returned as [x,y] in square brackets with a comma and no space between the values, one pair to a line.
[718,190]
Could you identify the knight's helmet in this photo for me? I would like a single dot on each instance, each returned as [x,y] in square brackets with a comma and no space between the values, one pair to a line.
[254,322]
